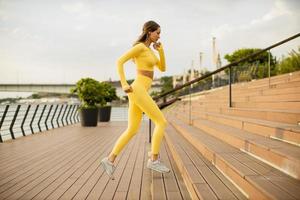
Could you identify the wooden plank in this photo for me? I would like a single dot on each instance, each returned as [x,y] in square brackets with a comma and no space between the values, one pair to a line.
[172,188]
[183,190]
[277,178]
[136,181]
[111,186]
[147,176]
[204,191]
[124,183]
[157,186]
[83,174]
[36,154]
[158,190]
[83,162]
[27,177]
[179,164]
[25,142]
[268,187]
[98,176]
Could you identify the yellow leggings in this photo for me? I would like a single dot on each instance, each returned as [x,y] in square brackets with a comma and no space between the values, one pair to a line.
[140,101]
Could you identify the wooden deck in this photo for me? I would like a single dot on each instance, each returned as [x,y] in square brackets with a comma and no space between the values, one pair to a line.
[63,163]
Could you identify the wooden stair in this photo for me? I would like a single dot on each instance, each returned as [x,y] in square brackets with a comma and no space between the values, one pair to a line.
[252,147]
[203,180]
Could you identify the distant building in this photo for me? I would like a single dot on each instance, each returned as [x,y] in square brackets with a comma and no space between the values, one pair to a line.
[187,76]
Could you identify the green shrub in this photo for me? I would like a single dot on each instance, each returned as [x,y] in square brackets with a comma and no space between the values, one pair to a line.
[90,92]
[110,93]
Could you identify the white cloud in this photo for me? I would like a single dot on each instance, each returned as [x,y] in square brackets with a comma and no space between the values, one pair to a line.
[278,10]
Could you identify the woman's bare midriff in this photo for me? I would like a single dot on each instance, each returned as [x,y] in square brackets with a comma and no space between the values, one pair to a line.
[145,73]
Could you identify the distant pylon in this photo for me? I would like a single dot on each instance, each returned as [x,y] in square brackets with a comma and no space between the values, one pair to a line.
[200,61]
[192,75]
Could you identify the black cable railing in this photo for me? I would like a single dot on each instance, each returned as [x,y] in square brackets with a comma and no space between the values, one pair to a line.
[18,120]
[229,67]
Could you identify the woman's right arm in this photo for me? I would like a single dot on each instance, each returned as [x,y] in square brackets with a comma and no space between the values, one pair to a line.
[133,52]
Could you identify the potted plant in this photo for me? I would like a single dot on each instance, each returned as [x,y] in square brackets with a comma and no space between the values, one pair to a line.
[105,106]
[90,92]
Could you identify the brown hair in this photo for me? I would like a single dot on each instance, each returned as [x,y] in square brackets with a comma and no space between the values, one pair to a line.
[149,26]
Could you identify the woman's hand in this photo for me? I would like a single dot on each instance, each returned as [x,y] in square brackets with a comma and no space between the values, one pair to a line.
[127,89]
[156,45]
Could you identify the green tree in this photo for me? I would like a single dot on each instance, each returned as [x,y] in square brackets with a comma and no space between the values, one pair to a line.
[154,93]
[253,68]
[167,83]
[290,63]
[35,96]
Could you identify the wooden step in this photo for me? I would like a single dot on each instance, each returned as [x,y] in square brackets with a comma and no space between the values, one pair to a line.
[285,157]
[275,80]
[168,185]
[273,91]
[282,116]
[203,180]
[268,105]
[280,131]
[257,179]
[257,96]
[242,90]
[284,106]
[291,117]
[273,98]
[273,83]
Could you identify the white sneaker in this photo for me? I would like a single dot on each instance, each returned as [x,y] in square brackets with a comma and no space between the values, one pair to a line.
[157,166]
[108,167]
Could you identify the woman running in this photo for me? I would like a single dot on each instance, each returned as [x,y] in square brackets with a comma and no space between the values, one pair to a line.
[139,99]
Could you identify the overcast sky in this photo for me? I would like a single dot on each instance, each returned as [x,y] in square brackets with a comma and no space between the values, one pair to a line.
[61,41]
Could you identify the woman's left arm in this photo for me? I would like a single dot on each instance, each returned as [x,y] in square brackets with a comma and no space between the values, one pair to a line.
[162,61]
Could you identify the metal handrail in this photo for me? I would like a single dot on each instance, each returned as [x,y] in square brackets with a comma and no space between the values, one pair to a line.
[233,64]
[230,65]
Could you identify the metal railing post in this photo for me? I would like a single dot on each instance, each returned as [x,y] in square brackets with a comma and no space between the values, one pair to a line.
[57,119]
[78,119]
[71,114]
[70,106]
[149,130]
[74,115]
[230,92]
[2,120]
[22,128]
[269,67]
[62,117]
[48,117]
[190,105]
[54,116]
[36,109]
[13,122]
[41,118]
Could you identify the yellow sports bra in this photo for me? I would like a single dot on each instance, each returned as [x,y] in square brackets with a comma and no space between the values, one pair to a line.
[144,58]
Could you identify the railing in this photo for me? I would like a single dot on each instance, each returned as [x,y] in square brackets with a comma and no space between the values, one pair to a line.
[230,67]
[18,120]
